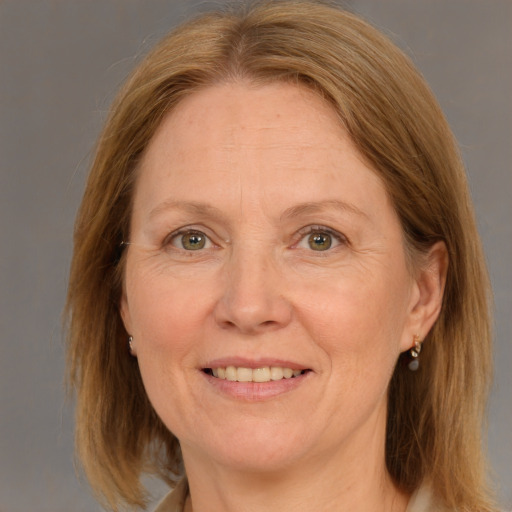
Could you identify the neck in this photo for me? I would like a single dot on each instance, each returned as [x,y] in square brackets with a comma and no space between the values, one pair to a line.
[352,477]
[310,491]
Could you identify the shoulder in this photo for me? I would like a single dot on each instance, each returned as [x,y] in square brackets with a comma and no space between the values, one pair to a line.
[423,501]
[174,501]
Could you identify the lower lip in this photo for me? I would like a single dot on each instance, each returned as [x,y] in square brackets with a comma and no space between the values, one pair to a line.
[255,391]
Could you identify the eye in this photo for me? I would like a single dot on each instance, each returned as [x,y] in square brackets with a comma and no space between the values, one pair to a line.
[190,240]
[320,239]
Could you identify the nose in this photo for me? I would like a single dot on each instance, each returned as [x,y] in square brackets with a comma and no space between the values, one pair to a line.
[252,299]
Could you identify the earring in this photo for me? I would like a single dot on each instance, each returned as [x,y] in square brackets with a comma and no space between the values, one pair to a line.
[414,353]
[130,345]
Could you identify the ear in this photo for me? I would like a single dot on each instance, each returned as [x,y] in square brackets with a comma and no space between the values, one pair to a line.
[427,296]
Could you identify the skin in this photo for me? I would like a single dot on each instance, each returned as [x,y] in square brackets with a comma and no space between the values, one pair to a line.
[255,156]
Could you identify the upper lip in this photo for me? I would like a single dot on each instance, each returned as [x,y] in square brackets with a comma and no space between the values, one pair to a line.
[242,362]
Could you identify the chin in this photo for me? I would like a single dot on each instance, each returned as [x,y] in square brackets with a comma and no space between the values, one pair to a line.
[256,449]
[256,460]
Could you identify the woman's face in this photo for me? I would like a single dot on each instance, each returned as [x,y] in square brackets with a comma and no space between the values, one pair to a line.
[262,243]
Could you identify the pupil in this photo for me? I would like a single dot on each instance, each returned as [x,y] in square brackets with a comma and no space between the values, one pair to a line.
[319,241]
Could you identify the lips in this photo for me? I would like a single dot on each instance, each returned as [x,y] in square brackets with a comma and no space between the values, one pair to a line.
[254,380]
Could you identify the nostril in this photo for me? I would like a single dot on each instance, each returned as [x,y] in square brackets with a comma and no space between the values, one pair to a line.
[249,327]
[228,324]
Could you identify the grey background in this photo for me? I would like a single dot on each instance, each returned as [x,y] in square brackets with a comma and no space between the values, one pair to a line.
[60,65]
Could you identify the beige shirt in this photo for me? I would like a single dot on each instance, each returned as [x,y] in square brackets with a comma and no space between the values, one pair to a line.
[421,500]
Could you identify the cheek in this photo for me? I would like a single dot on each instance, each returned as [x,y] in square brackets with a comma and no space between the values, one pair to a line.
[356,318]
[356,323]
[169,323]
[168,315]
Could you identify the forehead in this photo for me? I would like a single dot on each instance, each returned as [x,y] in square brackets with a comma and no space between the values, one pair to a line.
[248,116]
[234,141]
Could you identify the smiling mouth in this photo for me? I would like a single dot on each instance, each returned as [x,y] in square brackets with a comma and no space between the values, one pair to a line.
[263,374]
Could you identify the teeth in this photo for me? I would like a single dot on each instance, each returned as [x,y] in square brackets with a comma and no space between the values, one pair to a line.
[261,374]
[264,374]
[276,373]
[287,373]
[244,375]
[231,373]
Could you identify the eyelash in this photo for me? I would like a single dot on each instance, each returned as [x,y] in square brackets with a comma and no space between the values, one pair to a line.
[302,234]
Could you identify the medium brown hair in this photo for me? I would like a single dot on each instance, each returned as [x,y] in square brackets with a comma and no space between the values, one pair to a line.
[435,415]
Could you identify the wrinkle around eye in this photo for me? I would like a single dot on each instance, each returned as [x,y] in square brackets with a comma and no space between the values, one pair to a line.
[156,262]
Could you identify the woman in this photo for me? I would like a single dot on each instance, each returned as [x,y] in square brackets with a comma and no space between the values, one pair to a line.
[276,234]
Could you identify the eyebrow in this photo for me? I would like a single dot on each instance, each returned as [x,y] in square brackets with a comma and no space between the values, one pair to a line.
[186,206]
[204,209]
[321,206]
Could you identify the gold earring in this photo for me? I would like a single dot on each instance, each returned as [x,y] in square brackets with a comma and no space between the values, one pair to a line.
[414,353]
